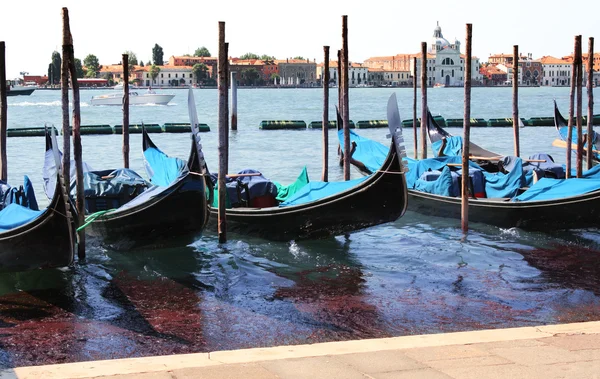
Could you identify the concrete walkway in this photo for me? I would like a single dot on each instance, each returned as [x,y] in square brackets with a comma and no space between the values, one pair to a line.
[545,352]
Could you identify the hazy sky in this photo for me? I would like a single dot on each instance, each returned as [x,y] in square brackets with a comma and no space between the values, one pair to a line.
[32,29]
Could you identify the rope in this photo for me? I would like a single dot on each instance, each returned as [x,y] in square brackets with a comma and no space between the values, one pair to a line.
[91,218]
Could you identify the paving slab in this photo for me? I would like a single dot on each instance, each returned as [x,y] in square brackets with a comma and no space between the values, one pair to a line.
[314,367]
[244,370]
[574,341]
[540,355]
[380,361]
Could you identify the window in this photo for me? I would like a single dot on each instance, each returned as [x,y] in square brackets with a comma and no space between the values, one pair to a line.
[169,75]
[161,75]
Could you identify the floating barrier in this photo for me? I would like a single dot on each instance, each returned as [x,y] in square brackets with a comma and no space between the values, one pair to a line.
[540,121]
[137,128]
[26,132]
[508,121]
[92,129]
[282,124]
[182,127]
[331,125]
[408,123]
[370,124]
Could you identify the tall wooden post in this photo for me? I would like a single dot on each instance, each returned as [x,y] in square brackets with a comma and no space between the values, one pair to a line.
[423,100]
[571,111]
[590,93]
[234,113]
[415,107]
[515,86]
[80,201]
[345,102]
[223,133]
[339,83]
[64,89]
[579,65]
[125,110]
[467,135]
[325,80]
[3,115]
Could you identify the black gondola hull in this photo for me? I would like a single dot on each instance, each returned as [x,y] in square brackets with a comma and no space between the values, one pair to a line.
[178,215]
[379,199]
[572,212]
[45,242]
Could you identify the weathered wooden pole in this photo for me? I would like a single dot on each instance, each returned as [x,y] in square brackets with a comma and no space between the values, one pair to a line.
[3,115]
[467,135]
[223,133]
[64,89]
[590,93]
[423,100]
[579,65]
[571,112]
[325,79]
[339,83]
[234,114]
[125,110]
[416,146]
[515,87]
[80,200]
[345,102]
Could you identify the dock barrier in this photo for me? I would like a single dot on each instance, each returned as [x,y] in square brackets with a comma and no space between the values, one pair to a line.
[370,124]
[137,128]
[182,127]
[282,124]
[331,125]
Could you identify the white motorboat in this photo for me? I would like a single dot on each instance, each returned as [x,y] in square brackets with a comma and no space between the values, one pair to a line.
[135,98]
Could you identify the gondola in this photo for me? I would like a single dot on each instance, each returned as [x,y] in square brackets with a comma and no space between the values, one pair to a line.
[31,239]
[562,128]
[376,199]
[170,209]
[541,207]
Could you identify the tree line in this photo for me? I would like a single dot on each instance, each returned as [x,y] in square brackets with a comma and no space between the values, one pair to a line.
[90,66]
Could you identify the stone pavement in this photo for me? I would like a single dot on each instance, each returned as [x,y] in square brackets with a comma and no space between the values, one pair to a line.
[545,352]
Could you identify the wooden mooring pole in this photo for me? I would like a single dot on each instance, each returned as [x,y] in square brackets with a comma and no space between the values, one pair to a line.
[125,110]
[467,135]
[3,115]
[515,104]
[423,100]
[77,151]
[64,90]
[590,93]
[234,113]
[339,82]
[579,65]
[325,79]
[345,100]
[416,145]
[571,111]
[223,133]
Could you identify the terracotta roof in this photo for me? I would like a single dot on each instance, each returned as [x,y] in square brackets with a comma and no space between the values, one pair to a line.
[547,59]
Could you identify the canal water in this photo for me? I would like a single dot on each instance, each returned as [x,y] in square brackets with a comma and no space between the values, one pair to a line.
[416,275]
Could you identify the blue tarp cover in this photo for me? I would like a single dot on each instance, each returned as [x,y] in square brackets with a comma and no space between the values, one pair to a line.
[548,189]
[162,169]
[441,186]
[453,146]
[318,190]
[15,215]
[371,153]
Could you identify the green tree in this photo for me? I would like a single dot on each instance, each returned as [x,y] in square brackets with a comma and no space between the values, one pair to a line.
[79,68]
[250,56]
[157,55]
[200,72]
[250,75]
[202,52]
[275,78]
[131,58]
[141,63]
[266,57]
[108,77]
[299,57]
[92,65]
[154,71]
[55,68]
[149,63]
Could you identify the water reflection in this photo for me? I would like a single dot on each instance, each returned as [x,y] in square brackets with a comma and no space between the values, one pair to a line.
[417,276]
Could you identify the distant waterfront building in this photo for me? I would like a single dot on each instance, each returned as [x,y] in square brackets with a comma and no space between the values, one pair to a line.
[556,72]
[187,60]
[358,74]
[492,76]
[169,76]
[445,63]
[297,72]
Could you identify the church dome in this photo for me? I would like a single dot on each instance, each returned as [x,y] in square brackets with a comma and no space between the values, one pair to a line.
[438,42]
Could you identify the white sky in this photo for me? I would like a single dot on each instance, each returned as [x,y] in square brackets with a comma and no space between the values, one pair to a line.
[32,29]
